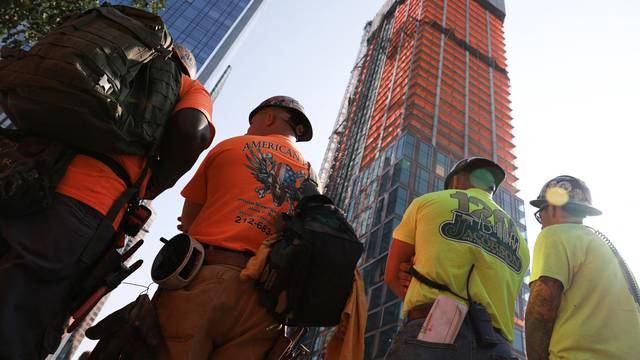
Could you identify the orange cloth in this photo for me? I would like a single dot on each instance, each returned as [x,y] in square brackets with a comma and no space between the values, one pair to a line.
[243,185]
[254,266]
[92,182]
[347,342]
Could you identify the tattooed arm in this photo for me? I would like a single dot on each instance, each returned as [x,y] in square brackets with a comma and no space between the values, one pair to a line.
[541,314]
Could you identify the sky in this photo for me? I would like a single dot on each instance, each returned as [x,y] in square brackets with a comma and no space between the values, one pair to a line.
[574,92]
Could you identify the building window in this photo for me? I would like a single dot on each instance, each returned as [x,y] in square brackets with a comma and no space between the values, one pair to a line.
[368,346]
[438,184]
[387,236]
[374,239]
[377,217]
[384,182]
[373,321]
[401,172]
[376,167]
[384,341]
[424,155]
[442,164]
[422,182]
[350,211]
[406,146]
[397,201]
[373,273]
[375,299]
[505,202]
[388,155]
[389,296]
[520,211]
[391,313]
[372,192]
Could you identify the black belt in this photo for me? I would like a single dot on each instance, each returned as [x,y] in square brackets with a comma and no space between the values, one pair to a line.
[216,255]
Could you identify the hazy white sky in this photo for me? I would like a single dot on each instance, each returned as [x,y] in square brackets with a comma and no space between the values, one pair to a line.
[574,75]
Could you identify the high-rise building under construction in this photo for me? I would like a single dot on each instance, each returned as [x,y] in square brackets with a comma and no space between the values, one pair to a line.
[429,87]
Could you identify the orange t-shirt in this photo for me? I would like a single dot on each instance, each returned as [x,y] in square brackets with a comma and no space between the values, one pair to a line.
[94,183]
[243,185]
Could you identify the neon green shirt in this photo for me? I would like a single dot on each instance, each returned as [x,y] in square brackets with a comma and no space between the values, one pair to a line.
[452,230]
[597,318]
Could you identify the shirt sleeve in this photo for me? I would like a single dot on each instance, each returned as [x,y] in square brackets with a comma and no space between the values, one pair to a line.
[406,230]
[193,95]
[554,257]
[196,190]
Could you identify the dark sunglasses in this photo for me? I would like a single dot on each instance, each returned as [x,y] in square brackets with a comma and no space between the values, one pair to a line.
[537,215]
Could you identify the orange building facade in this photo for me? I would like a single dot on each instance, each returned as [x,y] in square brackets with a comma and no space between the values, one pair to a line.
[429,87]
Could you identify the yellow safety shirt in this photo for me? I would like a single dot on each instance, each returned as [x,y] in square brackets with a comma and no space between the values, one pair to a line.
[597,318]
[453,229]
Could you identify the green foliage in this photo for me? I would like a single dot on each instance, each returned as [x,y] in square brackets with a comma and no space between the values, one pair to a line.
[24,22]
[153,6]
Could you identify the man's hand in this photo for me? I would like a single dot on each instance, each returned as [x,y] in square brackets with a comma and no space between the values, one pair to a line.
[542,310]
[404,276]
[190,211]
[400,253]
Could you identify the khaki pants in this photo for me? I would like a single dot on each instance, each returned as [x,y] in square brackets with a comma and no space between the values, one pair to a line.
[215,317]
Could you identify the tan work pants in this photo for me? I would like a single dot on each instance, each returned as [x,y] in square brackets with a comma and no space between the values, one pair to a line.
[215,317]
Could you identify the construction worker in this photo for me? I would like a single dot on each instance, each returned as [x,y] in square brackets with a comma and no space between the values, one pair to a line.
[231,206]
[468,251]
[46,255]
[584,301]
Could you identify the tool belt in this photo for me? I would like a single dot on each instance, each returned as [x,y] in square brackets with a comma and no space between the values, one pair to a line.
[216,255]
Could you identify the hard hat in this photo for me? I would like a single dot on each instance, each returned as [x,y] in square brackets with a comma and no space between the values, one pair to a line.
[303,129]
[566,190]
[492,176]
[186,60]
[178,262]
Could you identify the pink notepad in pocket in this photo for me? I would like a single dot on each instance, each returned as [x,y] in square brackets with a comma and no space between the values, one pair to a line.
[443,322]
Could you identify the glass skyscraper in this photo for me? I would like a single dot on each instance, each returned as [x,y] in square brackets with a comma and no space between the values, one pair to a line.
[429,87]
[209,28]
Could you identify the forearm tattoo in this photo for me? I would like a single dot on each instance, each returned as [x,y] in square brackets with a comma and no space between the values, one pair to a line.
[542,310]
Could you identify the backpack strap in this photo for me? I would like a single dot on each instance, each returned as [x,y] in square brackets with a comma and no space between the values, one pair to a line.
[115,166]
[105,229]
[311,174]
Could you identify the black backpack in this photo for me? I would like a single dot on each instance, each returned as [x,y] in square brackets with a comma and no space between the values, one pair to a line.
[103,82]
[309,272]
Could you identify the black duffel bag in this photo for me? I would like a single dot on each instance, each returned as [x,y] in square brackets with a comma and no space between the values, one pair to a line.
[309,273]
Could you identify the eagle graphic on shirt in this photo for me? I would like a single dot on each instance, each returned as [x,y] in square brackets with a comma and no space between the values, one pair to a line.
[275,178]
